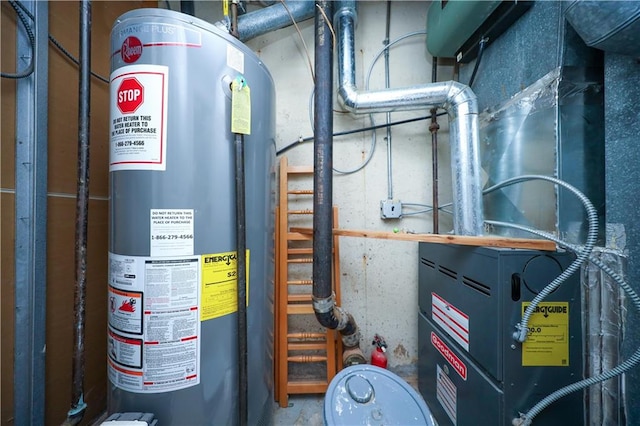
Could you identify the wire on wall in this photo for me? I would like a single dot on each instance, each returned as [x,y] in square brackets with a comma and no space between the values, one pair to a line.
[23,13]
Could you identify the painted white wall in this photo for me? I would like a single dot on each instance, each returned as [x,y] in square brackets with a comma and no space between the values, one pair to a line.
[379,277]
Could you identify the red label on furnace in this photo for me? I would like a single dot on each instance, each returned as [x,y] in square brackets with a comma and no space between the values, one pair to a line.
[448,354]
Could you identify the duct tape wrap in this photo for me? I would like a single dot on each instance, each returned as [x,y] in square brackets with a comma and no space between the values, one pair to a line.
[604,317]
[547,128]
[322,306]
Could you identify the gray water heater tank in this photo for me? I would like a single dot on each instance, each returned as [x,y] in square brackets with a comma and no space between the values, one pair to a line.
[172,326]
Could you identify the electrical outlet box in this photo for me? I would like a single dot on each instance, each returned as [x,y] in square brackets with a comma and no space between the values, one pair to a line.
[390,209]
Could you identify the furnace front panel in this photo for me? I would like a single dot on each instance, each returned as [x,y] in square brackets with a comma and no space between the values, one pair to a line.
[471,371]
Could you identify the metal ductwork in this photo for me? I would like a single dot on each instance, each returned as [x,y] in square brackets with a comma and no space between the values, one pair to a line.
[456,98]
[612,26]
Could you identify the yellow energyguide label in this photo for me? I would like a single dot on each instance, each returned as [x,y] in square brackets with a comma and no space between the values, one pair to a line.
[219,286]
[547,341]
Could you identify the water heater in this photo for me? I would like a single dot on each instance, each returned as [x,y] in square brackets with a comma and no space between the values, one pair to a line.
[172,326]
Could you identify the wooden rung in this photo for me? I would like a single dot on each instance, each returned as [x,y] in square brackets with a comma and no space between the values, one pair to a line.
[307,386]
[299,309]
[296,236]
[307,358]
[300,282]
[301,260]
[306,336]
[307,346]
[299,298]
[300,250]
[299,170]
[294,248]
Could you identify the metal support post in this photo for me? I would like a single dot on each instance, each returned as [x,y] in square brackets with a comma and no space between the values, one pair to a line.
[31,220]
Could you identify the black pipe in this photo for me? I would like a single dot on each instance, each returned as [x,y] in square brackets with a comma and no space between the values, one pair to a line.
[187,6]
[433,128]
[323,155]
[483,43]
[241,262]
[233,17]
[241,238]
[352,131]
[327,314]
[78,406]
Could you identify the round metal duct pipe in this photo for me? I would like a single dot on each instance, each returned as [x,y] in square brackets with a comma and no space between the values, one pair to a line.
[612,26]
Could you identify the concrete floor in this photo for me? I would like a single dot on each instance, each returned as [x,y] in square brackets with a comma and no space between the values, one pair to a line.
[303,410]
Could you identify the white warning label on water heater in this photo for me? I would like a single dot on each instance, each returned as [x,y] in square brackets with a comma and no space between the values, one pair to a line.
[154,322]
[171,232]
[138,121]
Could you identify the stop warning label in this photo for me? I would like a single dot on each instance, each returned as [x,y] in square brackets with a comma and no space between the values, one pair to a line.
[547,341]
[138,118]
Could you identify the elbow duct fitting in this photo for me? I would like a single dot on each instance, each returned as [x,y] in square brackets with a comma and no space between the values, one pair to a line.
[456,98]
[271,18]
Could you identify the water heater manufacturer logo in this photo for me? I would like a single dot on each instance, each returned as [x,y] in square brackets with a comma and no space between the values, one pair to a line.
[451,358]
[131,49]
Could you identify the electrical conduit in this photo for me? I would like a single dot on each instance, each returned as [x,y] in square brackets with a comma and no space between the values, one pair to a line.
[583,255]
[526,418]
[592,235]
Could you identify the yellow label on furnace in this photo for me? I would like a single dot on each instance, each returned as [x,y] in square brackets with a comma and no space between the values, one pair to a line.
[219,286]
[547,341]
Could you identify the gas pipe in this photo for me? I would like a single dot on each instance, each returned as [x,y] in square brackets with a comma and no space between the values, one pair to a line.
[378,356]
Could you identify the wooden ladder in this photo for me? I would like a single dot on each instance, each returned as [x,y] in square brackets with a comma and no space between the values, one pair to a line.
[293,292]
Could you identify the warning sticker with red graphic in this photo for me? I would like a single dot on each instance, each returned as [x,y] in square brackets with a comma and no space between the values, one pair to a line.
[154,322]
[125,310]
[124,350]
[138,123]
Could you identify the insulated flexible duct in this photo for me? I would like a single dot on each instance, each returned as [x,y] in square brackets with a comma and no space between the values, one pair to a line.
[274,17]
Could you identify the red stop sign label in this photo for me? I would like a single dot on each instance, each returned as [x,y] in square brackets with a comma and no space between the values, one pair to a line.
[130,95]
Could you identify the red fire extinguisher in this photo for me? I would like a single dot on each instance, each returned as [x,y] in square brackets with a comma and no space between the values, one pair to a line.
[378,356]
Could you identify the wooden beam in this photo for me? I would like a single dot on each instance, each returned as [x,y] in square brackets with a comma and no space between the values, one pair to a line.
[484,241]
